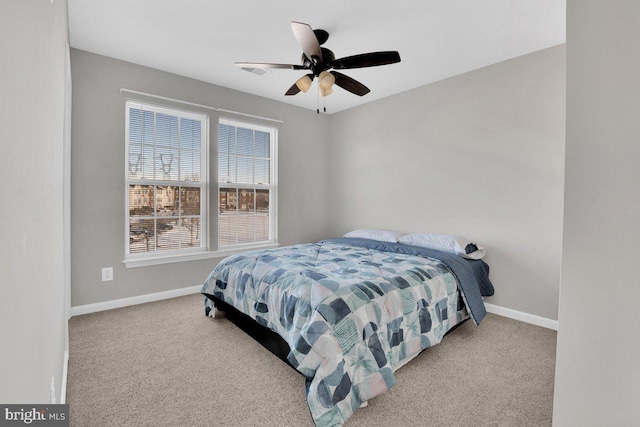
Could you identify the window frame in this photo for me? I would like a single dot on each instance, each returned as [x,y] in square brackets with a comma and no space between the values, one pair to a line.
[160,257]
[210,188]
[272,186]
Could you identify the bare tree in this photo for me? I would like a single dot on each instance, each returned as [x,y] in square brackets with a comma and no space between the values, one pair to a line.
[193,225]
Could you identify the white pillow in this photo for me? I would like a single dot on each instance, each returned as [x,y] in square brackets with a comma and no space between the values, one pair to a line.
[446,243]
[381,235]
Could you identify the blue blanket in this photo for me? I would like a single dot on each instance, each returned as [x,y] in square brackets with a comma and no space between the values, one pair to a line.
[472,274]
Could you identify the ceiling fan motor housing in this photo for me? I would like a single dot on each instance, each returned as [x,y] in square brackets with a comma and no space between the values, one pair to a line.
[316,65]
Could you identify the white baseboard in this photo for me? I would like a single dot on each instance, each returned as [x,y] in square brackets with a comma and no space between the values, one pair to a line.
[140,299]
[65,370]
[522,316]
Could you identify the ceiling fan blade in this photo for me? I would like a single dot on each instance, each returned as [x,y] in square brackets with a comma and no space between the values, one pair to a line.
[307,40]
[294,89]
[268,65]
[363,60]
[349,84]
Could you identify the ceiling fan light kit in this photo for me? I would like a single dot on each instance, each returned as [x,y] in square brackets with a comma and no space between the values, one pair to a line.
[326,80]
[325,91]
[304,83]
[322,63]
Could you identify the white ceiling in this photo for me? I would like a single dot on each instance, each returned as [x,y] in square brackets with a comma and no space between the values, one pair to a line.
[202,39]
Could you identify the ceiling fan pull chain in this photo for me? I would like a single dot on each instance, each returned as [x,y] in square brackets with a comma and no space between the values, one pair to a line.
[318,100]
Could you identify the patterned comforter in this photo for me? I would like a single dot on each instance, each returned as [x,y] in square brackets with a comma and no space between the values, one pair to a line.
[352,311]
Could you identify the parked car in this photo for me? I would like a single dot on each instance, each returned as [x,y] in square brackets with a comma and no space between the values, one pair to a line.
[140,231]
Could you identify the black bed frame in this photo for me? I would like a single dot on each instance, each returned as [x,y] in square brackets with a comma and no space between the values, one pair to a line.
[265,336]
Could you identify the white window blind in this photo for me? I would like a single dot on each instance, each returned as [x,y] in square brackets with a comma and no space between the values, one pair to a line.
[246,184]
[166,181]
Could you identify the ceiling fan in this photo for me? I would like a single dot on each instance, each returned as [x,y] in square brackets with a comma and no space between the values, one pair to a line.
[321,63]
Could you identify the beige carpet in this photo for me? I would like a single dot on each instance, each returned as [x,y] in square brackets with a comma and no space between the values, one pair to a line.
[166,364]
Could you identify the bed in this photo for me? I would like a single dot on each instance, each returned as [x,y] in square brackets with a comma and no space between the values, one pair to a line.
[349,312]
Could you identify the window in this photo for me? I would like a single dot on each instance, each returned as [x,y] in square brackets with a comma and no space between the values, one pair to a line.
[246,184]
[166,181]
[172,214]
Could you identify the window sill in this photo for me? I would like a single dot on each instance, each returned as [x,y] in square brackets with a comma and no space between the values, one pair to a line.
[159,260]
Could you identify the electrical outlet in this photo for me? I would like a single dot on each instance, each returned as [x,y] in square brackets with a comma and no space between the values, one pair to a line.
[107,274]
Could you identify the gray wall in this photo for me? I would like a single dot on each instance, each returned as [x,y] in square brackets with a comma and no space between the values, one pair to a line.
[33,37]
[597,374]
[480,155]
[98,190]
